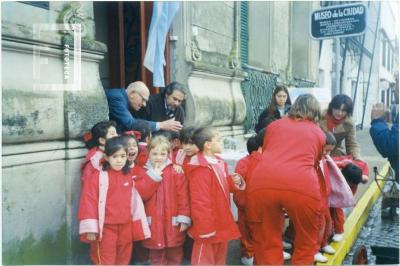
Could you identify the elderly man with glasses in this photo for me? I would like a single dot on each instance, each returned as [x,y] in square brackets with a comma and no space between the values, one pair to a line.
[125,108]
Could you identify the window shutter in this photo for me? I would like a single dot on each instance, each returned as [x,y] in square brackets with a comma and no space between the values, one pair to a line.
[244,32]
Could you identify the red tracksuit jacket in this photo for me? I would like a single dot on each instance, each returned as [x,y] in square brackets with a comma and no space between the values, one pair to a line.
[92,162]
[179,157]
[245,167]
[145,185]
[212,219]
[287,163]
[143,155]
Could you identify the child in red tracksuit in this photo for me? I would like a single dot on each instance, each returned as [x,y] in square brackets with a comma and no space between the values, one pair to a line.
[182,158]
[245,167]
[95,141]
[168,210]
[111,212]
[144,184]
[326,222]
[145,136]
[188,148]
[355,172]
[209,182]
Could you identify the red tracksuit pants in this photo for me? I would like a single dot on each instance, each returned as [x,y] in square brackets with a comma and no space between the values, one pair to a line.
[246,244]
[326,226]
[115,247]
[338,217]
[209,253]
[304,212]
[166,256]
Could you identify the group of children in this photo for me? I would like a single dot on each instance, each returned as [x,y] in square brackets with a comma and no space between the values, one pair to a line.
[156,190]
[173,190]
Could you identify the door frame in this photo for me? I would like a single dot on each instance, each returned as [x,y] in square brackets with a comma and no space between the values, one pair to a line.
[116,45]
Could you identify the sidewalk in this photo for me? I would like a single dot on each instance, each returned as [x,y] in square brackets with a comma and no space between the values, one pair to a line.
[370,155]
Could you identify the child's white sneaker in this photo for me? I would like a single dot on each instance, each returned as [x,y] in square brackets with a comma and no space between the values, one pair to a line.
[247,261]
[337,237]
[320,258]
[286,256]
[328,249]
[286,245]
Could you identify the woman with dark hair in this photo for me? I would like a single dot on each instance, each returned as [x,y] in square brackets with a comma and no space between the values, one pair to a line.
[279,106]
[338,120]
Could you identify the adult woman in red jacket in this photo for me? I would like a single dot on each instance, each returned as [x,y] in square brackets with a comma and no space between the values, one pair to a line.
[286,178]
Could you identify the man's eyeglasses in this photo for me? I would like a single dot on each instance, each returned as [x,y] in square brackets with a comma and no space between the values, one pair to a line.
[144,100]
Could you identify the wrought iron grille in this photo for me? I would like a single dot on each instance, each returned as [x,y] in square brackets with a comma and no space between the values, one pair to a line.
[257,89]
[303,83]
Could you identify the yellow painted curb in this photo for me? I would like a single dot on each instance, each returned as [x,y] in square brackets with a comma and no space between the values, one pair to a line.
[355,221]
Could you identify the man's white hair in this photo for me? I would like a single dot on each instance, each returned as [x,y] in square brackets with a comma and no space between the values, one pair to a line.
[138,86]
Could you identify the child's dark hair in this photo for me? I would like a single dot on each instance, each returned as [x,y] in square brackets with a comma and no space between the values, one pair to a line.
[187,135]
[352,173]
[260,137]
[330,138]
[202,135]
[112,146]
[127,136]
[252,144]
[143,127]
[99,130]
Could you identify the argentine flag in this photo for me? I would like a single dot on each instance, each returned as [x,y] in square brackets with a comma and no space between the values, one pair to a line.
[154,60]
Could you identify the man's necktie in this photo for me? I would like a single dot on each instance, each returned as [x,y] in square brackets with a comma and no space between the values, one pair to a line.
[170,113]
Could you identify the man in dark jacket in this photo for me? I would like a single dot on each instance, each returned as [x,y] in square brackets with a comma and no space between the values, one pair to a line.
[386,140]
[125,108]
[168,103]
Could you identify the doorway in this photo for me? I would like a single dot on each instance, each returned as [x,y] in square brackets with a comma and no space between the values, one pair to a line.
[126,37]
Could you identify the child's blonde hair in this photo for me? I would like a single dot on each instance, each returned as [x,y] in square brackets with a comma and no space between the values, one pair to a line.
[159,141]
[306,106]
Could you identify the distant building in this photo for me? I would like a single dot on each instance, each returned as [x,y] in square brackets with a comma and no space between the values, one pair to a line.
[366,65]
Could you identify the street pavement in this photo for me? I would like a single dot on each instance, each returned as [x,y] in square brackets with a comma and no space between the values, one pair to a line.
[377,231]
[369,154]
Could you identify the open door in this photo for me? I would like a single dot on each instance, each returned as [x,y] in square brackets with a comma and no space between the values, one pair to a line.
[128,30]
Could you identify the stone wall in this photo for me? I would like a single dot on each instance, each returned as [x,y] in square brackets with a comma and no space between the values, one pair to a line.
[279,40]
[43,117]
[207,37]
